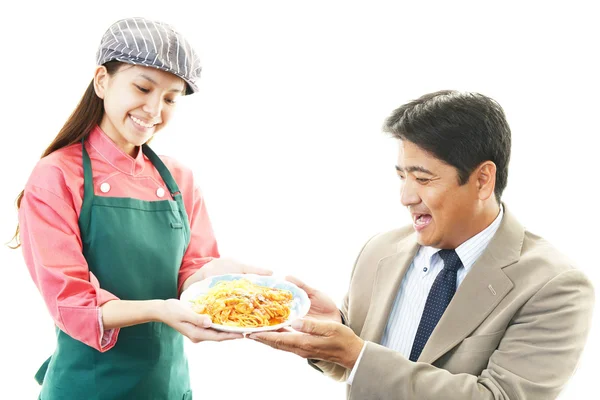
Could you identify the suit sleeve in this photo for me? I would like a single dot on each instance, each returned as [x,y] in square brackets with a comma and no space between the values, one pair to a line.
[535,358]
[330,369]
[52,249]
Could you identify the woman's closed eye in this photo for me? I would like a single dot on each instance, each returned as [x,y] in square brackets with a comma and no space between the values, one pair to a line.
[142,89]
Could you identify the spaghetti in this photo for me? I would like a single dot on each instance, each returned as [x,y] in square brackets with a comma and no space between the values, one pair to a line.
[244,304]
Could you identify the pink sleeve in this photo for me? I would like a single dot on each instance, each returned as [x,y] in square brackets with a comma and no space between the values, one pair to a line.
[52,249]
[203,245]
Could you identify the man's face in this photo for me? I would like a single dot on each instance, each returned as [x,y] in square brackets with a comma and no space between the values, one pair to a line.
[442,210]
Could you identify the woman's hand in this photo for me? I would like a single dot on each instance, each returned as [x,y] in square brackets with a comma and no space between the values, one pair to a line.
[194,326]
[220,266]
[122,313]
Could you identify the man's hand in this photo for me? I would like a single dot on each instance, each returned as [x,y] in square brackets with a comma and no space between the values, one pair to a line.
[321,305]
[316,339]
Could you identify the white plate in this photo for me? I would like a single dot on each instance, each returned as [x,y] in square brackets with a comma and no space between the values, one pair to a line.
[298,309]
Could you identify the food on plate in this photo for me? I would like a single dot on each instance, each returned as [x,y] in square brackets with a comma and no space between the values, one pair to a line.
[242,303]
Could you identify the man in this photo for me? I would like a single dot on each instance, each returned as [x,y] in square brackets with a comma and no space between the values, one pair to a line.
[463,304]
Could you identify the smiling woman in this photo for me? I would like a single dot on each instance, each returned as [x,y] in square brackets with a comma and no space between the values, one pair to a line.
[139,102]
[112,292]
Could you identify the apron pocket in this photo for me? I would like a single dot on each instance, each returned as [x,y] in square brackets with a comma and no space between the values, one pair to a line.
[187,395]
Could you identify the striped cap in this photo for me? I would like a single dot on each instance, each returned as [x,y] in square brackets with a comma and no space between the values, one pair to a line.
[152,44]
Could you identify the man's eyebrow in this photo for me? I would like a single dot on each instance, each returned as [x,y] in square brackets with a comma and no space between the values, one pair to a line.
[414,168]
[154,82]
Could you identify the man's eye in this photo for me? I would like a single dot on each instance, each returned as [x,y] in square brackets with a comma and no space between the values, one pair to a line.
[401,177]
[422,180]
[142,89]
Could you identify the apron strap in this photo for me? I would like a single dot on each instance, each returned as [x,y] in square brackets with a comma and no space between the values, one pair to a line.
[172,186]
[88,187]
[162,169]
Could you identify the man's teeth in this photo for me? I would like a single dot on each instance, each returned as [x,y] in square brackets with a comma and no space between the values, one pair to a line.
[419,220]
[140,122]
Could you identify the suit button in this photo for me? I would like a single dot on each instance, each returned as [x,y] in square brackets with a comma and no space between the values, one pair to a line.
[160,192]
[105,187]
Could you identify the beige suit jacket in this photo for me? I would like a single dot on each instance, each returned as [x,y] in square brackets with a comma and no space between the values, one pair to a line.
[514,330]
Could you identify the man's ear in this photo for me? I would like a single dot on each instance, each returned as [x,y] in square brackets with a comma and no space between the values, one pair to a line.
[486,179]
[100,80]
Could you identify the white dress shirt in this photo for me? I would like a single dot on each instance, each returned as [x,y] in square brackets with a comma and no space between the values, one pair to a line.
[408,307]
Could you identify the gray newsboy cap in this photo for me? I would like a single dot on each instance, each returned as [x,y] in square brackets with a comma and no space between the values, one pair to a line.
[155,44]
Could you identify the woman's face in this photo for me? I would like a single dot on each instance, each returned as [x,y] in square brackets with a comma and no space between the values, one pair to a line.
[138,102]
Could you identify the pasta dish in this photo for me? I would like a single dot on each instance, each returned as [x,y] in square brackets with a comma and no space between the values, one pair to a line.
[245,304]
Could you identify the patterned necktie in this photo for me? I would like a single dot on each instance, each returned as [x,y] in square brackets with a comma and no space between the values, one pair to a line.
[439,297]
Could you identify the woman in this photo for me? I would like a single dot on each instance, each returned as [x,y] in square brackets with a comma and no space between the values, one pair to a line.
[112,233]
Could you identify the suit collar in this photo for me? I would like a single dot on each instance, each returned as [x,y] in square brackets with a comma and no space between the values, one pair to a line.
[481,291]
[390,271]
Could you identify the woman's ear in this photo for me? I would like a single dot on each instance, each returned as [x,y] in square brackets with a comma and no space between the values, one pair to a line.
[100,80]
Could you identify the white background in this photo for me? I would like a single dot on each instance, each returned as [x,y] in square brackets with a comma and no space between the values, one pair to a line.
[285,140]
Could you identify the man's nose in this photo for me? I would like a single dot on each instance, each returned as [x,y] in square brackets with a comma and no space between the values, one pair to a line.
[408,194]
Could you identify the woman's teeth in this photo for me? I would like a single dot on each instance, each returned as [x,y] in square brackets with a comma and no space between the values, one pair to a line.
[140,122]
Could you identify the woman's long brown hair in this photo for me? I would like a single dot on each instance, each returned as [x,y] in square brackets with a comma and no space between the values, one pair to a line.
[85,117]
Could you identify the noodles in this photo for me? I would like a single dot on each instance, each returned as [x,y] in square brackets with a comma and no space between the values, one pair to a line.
[245,304]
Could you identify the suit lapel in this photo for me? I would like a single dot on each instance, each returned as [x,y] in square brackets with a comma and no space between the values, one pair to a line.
[390,271]
[480,292]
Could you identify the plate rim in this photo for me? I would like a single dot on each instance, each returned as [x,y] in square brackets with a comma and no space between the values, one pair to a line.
[240,329]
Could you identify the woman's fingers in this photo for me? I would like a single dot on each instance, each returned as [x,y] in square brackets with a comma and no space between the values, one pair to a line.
[250,269]
[197,335]
[201,320]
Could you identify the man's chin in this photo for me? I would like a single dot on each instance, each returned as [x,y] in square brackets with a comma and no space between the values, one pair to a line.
[424,240]
[424,237]
[421,240]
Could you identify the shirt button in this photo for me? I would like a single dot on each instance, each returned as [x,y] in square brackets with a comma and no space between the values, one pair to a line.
[160,192]
[105,187]
[425,269]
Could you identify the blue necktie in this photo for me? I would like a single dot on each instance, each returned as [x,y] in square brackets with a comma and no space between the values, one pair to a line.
[439,297]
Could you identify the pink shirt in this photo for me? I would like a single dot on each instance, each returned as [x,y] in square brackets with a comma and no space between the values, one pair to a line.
[51,241]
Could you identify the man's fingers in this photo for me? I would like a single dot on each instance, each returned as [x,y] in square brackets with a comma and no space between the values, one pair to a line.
[265,336]
[300,284]
[277,340]
[287,338]
[314,327]
[300,344]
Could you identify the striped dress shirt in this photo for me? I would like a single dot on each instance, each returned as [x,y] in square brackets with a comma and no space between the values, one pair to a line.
[409,304]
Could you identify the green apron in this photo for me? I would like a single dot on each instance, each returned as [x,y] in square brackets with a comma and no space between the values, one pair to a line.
[135,249]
